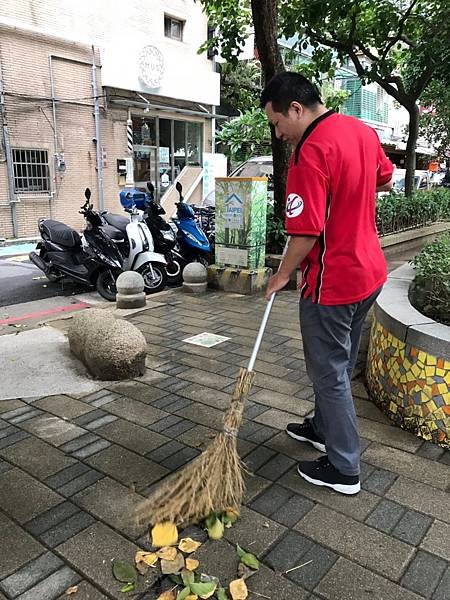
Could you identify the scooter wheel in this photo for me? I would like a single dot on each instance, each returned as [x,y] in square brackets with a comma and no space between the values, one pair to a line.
[106,285]
[174,273]
[155,277]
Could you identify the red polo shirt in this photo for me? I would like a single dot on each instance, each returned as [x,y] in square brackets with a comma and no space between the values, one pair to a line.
[332,177]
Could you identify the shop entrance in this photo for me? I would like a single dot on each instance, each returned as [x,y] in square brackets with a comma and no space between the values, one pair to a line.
[162,148]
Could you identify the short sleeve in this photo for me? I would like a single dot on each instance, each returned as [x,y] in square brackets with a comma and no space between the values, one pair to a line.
[307,191]
[385,168]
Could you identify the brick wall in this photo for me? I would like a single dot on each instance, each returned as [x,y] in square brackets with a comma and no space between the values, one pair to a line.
[26,77]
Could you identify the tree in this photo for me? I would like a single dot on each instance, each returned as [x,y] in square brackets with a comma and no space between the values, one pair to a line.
[231,20]
[399,44]
[435,120]
[240,86]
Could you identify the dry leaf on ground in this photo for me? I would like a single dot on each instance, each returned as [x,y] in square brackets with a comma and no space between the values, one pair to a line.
[238,589]
[191,564]
[149,558]
[167,553]
[164,534]
[72,590]
[188,545]
[172,567]
[169,595]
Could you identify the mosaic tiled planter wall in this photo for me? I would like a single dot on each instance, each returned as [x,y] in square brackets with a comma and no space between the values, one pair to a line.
[408,363]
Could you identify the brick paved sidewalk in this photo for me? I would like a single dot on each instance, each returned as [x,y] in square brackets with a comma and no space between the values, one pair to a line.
[72,469]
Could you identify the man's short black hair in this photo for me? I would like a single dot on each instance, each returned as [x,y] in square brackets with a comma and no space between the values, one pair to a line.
[288,87]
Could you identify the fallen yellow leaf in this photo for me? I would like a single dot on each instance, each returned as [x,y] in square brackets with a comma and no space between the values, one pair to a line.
[167,553]
[72,590]
[232,513]
[238,589]
[188,545]
[169,595]
[164,534]
[191,597]
[191,564]
[149,558]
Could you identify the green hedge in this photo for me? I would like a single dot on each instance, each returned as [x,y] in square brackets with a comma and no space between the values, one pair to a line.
[396,212]
[430,292]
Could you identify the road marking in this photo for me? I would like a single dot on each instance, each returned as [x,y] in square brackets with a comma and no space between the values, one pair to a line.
[23,258]
[45,313]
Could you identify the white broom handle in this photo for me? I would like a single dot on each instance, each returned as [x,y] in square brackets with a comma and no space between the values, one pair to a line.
[259,337]
[265,318]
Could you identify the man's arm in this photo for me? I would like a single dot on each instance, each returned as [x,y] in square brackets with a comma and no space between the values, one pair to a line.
[387,187]
[298,248]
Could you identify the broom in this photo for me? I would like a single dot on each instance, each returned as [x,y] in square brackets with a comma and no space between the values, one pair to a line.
[214,480]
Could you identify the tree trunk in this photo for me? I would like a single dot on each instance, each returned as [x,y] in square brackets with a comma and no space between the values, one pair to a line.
[265,21]
[413,134]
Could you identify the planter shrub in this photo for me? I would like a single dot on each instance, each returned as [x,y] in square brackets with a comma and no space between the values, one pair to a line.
[430,291]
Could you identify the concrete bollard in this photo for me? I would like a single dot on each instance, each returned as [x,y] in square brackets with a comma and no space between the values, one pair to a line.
[130,290]
[195,277]
[110,348]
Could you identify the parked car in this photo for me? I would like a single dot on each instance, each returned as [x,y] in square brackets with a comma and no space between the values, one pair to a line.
[422,180]
[258,166]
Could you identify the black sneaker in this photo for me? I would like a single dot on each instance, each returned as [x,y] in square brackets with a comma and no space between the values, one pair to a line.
[304,432]
[322,472]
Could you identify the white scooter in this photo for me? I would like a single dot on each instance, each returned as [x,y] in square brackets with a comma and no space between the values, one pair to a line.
[136,245]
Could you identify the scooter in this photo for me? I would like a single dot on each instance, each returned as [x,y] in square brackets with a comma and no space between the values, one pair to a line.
[136,244]
[194,244]
[92,258]
[164,238]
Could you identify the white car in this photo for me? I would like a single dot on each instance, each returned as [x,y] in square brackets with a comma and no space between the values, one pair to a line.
[258,166]
[422,180]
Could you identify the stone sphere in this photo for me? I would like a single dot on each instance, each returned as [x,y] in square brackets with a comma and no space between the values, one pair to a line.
[195,272]
[130,282]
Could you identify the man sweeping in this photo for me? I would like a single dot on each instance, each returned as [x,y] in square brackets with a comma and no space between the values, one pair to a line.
[335,169]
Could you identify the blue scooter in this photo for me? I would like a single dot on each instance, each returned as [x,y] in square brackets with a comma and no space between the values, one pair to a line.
[194,245]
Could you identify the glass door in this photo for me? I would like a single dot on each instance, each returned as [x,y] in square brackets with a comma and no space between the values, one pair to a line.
[145,148]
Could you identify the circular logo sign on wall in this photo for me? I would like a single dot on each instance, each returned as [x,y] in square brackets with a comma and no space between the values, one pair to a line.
[150,66]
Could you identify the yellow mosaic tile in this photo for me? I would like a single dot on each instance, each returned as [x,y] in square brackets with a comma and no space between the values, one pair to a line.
[410,385]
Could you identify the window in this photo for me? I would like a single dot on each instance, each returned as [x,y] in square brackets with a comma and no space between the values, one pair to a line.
[173,28]
[31,172]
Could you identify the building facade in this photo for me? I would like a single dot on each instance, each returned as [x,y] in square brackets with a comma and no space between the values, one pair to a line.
[86,85]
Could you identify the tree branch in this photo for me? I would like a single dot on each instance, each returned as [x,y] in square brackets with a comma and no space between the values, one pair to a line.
[399,35]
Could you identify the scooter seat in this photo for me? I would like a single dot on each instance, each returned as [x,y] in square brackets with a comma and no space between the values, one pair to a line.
[117,221]
[113,233]
[61,234]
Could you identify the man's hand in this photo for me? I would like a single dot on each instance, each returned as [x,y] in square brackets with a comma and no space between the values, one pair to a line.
[276,283]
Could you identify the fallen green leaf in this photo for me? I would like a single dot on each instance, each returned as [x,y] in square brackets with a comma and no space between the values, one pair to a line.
[204,590]
[221,594]
[176,579]
[215,531]
[247,558]
[188,577]
[210,520]
[127,588]
[124,571]
[184,593]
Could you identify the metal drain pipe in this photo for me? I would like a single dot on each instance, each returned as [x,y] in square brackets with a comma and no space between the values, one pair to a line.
[9,160]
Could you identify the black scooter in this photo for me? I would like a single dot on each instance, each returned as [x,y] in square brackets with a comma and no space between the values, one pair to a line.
[164,237]
[92,258]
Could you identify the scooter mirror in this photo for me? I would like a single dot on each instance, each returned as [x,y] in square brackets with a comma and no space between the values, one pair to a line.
[87,193]
[150,187]
[179,187]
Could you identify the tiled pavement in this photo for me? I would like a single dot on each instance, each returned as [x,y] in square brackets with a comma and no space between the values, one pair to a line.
[72,470]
